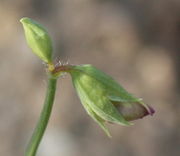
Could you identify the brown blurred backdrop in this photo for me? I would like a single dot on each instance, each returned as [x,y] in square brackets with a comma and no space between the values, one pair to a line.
[135,41]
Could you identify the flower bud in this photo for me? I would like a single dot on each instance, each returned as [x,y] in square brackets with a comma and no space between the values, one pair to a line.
[38,39]
[104,99]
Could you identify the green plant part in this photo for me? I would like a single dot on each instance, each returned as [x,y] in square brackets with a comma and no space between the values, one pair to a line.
[44,117]
[38,39]
[104,99]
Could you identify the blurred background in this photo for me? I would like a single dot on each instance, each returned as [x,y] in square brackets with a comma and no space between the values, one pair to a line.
[135,41]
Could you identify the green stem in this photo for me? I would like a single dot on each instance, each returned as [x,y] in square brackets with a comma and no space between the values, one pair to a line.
[44,118]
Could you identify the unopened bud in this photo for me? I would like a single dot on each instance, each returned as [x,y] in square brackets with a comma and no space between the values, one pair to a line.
[104,99]
[37,39]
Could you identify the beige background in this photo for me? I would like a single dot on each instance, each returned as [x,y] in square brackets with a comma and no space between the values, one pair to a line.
[135,41]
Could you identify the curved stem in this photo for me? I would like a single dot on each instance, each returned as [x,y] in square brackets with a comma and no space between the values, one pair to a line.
[44,118]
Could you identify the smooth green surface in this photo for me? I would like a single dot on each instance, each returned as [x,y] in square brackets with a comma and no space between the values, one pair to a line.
[44,118]
[37,39]
[98,92]
[113,88]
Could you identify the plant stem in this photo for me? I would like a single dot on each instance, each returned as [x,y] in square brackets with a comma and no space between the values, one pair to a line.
[44,118]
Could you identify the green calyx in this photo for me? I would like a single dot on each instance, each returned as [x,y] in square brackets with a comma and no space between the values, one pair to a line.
[38,39]
[104,99]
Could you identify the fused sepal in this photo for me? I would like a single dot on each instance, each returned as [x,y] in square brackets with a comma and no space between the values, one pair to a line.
[104,99]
